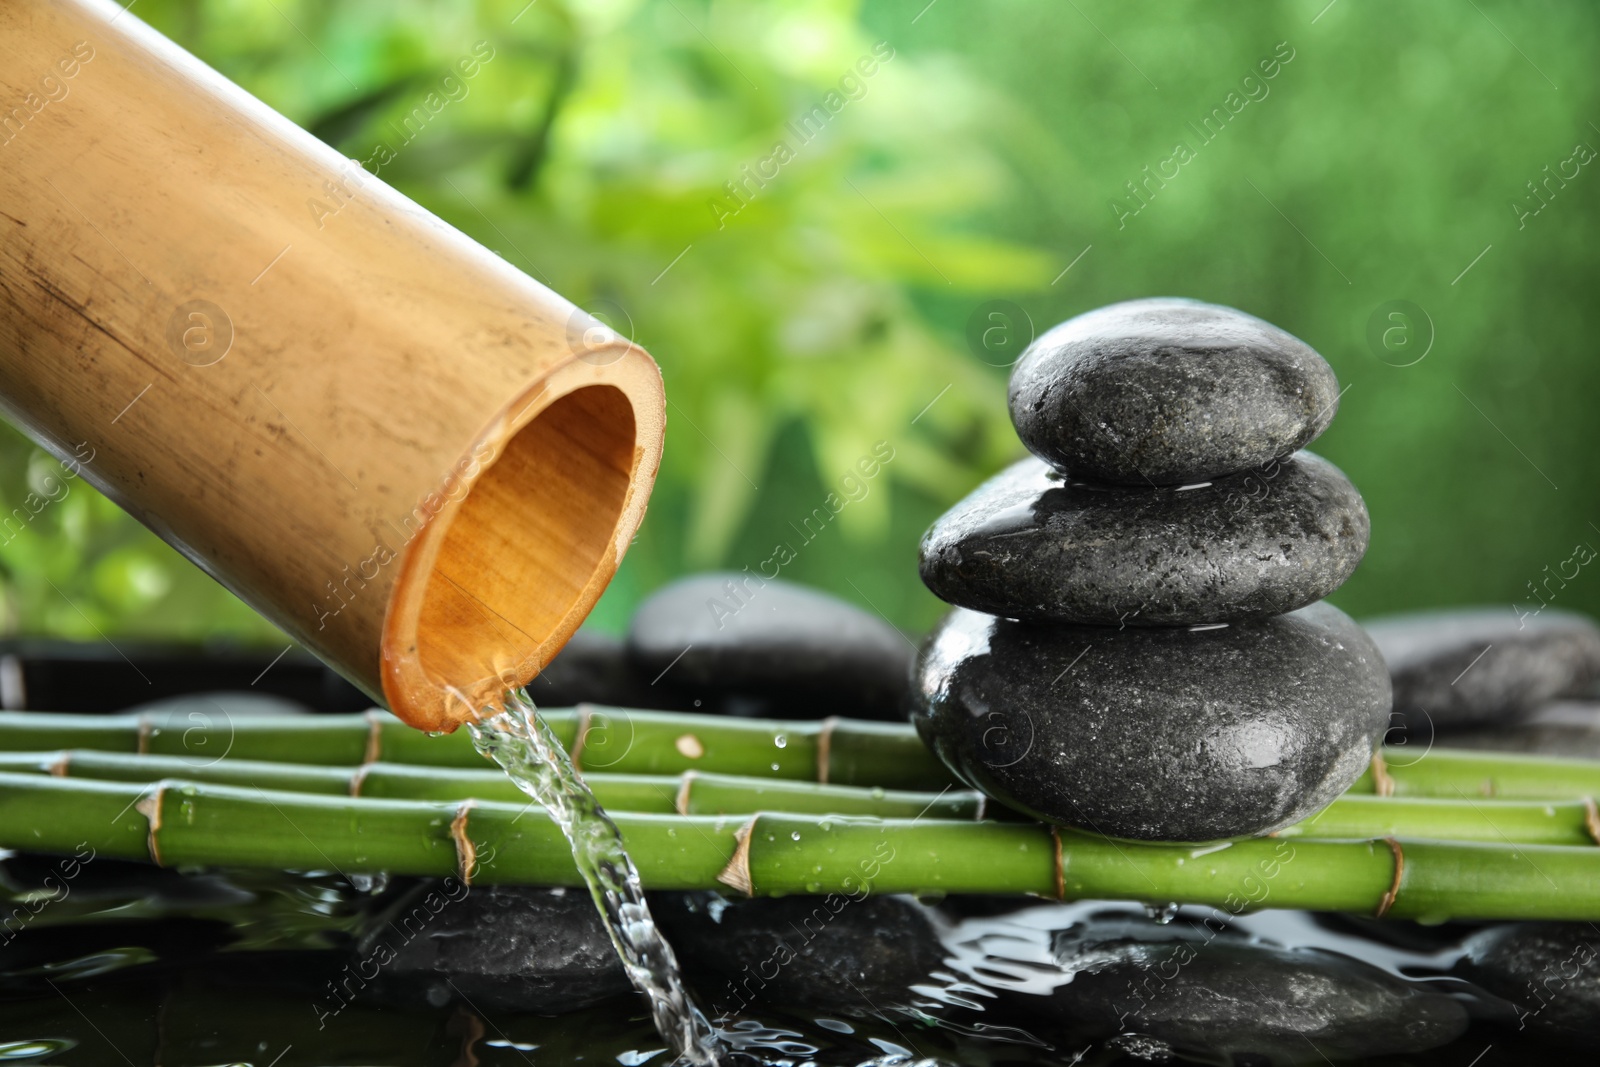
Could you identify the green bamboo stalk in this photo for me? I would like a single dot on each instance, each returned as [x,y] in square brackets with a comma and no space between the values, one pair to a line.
[615,740]
[184,824]
[1426,880]
[621,740]
[338,740]
[1401,771]
[691,793]
[129,767]
[178,824]
[1524,822]
[1354,816]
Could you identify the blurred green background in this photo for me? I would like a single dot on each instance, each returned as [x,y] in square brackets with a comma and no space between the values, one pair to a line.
[850,298]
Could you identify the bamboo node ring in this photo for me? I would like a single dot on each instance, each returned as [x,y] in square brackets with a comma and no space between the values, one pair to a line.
[825,747]
[685,785]
[61,766]
[466,851]
[374,749]
[1382,783]
[585,719]
[1591,819]
[359,779]
[736,874]
[1399,872]
[149,806]
[142,743]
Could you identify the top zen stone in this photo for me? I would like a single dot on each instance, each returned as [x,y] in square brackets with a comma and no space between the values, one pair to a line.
[1168,392]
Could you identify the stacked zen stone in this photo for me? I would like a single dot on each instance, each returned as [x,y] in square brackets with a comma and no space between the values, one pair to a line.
[1138,647]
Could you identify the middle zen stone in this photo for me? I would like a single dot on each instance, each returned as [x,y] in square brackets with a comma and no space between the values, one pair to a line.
[1032,544]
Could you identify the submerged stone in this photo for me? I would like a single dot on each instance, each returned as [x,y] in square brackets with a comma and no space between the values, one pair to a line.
[1550,972]
[1475,666]
[502,948]
[1168,391]
[1032,544]
[1155,735]
[754,645]
[1216,996]
[846,953]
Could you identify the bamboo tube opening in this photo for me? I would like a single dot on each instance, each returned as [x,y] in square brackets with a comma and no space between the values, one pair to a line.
[497,583]
[518,556]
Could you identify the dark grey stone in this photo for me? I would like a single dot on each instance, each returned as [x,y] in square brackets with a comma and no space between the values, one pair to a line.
[850,954]
[1032,544]
[503,948]
[1473,666]
[753,645]
[594,668]
[1567,728]
[1155,735]
[1550,972]
[1168,391]
[1219,997]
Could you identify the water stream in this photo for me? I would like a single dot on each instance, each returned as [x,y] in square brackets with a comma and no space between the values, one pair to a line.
[523,745]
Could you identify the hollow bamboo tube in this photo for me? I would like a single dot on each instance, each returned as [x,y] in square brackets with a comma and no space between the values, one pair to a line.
[420,463]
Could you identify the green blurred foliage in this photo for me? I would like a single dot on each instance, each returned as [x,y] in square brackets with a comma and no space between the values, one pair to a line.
[827,307]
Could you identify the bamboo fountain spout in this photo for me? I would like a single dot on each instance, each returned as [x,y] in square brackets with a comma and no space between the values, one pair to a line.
[410,456]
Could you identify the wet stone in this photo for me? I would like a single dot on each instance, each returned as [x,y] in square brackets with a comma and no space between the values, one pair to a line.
[1566,728]
[594,668]
[1550,972]
[751,645]
[1478,666]
[1167,392]
[1032,544]
[503,948]
[844,953]
[1156,735]
[1219,997]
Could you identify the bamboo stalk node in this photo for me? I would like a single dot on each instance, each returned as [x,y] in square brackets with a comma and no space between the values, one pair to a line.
[466,851]
[374,750]
[1591,819]
[737,873]
[1382,783]
[581,735]
[62,765]
[142,743]
[685,787]
[149,806]
[825,747]
[359,779]
[1399,872]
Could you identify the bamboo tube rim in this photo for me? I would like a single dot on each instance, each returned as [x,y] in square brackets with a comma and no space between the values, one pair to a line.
[513,650]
